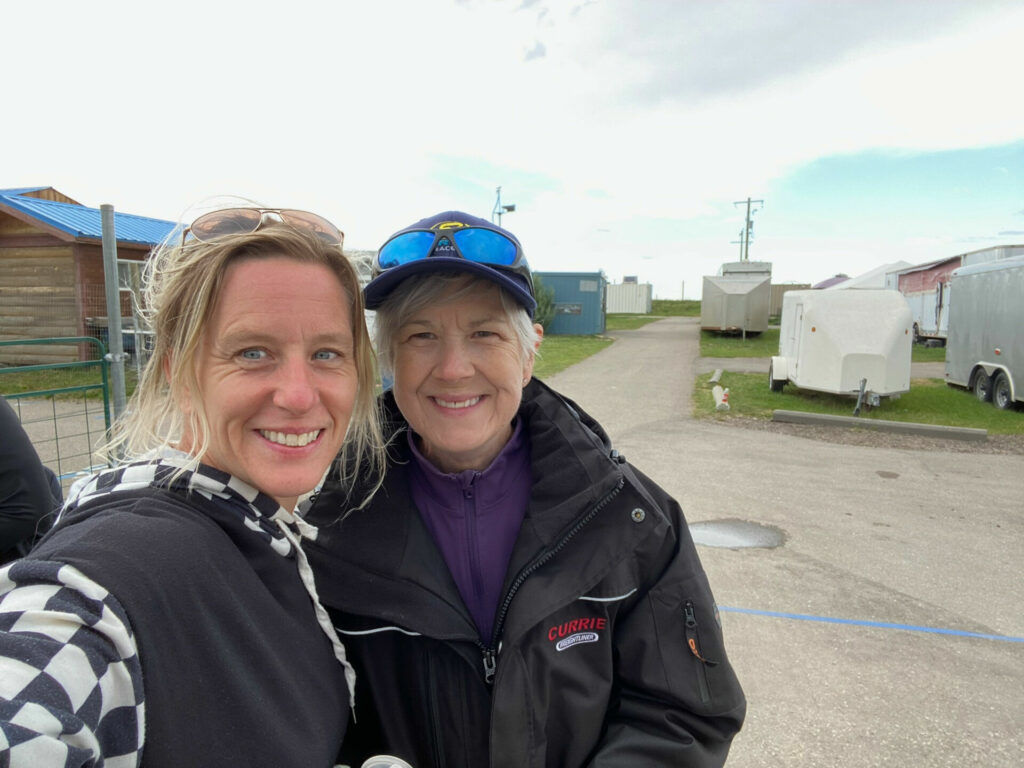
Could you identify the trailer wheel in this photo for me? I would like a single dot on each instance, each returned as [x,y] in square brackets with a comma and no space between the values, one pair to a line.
[981,385]
[1001,391]
[775,385]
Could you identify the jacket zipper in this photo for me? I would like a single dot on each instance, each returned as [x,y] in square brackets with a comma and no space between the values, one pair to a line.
[693,641]
[435,715]
[490,653]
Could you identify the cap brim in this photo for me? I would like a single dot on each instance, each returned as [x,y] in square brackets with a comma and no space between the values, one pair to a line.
[378,289]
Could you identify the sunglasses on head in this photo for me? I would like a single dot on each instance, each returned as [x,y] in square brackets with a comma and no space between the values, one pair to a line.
[242,221]
[484,246]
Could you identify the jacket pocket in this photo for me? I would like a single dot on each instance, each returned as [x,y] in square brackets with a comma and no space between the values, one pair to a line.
[692,631]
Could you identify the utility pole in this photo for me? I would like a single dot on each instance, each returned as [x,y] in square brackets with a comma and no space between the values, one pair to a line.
[748,230]
[740,241]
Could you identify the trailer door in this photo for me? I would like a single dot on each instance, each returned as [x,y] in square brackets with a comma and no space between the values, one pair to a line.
[798,334]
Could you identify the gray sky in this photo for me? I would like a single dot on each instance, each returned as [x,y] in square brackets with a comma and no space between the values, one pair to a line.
[623,130]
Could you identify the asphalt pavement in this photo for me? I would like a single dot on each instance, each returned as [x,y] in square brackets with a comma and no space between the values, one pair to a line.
[888,627]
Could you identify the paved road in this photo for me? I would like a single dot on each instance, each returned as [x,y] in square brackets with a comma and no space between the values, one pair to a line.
[876,536]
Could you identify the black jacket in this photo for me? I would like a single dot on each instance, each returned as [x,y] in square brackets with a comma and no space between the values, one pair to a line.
[607,650]
[231,661]
[26,500]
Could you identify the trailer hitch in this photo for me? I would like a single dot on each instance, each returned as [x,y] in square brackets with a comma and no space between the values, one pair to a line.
[866,398]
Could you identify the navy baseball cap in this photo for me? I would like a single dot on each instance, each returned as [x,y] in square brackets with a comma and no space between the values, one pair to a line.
[452,241]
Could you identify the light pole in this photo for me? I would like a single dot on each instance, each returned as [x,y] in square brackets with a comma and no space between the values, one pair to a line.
[499,209]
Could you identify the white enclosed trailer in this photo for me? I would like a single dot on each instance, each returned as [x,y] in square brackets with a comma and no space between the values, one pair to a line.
[854,342]
[985,346]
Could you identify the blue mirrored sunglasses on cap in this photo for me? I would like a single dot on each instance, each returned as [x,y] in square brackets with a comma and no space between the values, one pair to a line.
[484,246]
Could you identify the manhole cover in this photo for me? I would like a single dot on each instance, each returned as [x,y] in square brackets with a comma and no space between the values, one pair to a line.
[734,534]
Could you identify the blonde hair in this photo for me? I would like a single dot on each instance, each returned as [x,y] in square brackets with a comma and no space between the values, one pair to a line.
[182,283]
[419,291]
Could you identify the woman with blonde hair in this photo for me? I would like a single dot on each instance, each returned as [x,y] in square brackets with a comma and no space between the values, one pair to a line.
[170,618]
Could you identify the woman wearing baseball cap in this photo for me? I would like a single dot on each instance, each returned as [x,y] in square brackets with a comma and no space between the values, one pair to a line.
[515,594]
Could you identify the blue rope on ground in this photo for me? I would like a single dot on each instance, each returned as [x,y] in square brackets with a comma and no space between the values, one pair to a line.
[882,624]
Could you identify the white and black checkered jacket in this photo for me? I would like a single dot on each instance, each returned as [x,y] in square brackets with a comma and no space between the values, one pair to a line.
[76,685]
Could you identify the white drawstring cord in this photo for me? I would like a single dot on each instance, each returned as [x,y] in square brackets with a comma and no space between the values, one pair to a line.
[284,520]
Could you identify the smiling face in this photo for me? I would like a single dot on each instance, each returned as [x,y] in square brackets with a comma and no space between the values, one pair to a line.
[459,376]
[276,375]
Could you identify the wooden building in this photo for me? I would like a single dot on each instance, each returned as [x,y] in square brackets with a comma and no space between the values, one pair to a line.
[51,270]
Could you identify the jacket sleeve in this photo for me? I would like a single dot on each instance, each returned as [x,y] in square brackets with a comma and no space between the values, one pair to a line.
[24,490]
[70,679]
[676,700]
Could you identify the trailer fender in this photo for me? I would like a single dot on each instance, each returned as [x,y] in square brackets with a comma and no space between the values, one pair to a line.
[1009,381]
[989,368]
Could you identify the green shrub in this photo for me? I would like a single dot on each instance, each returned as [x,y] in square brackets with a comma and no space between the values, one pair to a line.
[545,302]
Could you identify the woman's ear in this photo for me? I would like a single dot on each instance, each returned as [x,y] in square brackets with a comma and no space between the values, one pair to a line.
[528,364]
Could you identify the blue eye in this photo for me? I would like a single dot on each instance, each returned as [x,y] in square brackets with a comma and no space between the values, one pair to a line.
[325,354]
[253,354]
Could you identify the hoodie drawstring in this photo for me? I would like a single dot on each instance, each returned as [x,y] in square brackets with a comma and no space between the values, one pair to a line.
[285,520]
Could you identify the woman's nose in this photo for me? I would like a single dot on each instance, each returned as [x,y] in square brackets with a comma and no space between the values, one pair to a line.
[295,390]
[454,362]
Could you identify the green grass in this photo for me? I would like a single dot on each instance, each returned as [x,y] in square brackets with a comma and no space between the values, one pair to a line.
[14,383]
[660,309]
[929,401]
[675,308]
[559,352]
[921,354]
[764,344]
[622,322]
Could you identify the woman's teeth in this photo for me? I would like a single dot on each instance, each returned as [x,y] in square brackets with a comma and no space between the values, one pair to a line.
[457,403]
[291,440]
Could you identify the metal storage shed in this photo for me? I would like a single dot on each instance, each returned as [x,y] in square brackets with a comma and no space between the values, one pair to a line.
[630,298]
[579,302]
[735,302]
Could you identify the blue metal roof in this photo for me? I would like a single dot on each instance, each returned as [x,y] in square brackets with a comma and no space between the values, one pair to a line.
[79,221]
[21,190]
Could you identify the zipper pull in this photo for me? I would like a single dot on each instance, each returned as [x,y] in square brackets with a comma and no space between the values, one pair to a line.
[691,633]
[490,665]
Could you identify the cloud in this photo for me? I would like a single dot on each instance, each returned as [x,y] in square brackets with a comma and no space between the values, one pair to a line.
[537,51]
[663,52]
[1011,233]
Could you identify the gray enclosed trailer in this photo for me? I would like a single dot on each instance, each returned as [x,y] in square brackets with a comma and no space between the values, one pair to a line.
[735,302]
[985,346]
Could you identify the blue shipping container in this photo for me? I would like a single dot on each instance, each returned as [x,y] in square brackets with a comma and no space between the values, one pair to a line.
[579,302]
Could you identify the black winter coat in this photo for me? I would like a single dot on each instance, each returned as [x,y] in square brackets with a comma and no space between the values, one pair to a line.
[607,649]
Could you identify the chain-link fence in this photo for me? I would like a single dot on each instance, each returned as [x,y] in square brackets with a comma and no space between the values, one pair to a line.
[63,407]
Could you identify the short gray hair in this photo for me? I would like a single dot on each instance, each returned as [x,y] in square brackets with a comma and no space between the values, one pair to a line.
[419,291]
